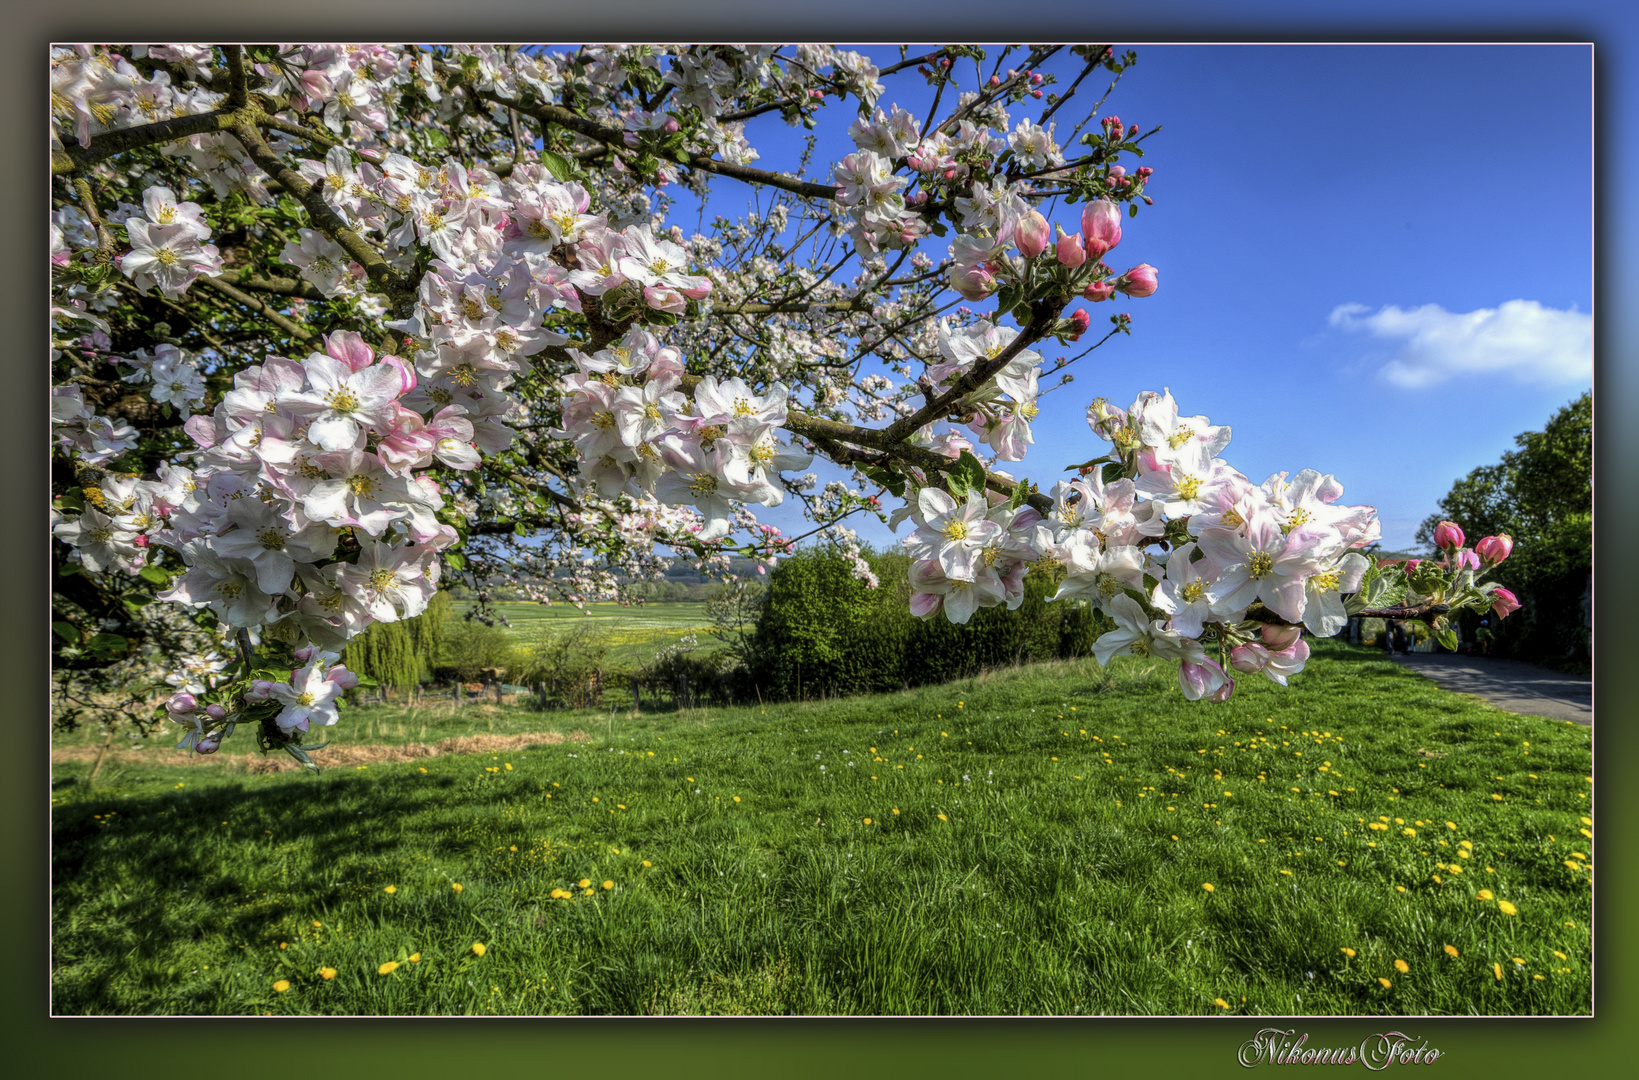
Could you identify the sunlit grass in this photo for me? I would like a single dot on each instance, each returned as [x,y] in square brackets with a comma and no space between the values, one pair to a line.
[1036,841]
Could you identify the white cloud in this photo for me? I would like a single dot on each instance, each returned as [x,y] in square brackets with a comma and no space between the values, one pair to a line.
[1520,339]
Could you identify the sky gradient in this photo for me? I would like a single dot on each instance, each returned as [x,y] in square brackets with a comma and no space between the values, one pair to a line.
[1375,260]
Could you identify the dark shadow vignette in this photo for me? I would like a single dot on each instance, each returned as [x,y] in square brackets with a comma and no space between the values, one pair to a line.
[796,1047]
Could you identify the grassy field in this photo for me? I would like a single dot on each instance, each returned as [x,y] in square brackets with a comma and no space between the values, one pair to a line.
[633,634]
[1059,839]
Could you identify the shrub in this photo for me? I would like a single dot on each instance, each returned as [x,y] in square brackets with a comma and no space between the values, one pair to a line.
[824,633]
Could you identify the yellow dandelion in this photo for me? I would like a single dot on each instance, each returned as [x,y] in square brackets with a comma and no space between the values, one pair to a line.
[281,986]
[1288,873]
[896,812]
[508,767]
[456,885]
[1347,952]
[1385,982]
[1539,977]
[1506,908]
[1209,887]
[867,821]
[594,798]
[1451,950]
[1496,969]
[943,818]
[514,847]
[1399,888]
[479,948]
[390,890]
[1498,798]
[646,862]
[583,882]
[1221,1003]
[1483,894]
[388,968]
[415,958]
[421,770]
[1561,955]
[327,973]
[1402,967]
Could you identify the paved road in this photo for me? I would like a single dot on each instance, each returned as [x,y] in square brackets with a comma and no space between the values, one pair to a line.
[1508,684]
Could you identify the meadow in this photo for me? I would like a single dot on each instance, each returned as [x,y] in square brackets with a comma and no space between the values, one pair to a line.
[634,634]
[1057,839]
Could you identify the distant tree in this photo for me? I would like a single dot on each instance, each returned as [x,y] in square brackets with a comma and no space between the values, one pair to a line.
[1541,495]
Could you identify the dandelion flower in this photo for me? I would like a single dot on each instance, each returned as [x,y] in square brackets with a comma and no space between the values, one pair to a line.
[583,882]
[943,818]
[281,986]
[388,968]
[1209,887]
[646,862]
[1402,967]
[867,821]
[415,958]
[327,973]
[1496,969]
[1399,888]
[1347,952]
[479,948]
[896,813]
[1506,908]
[1483,894]
[390,890]
[1451,950]
[456,885]
[1221,1003]
[1385,982]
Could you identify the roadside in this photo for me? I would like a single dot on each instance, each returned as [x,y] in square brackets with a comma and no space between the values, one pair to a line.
[1508,684]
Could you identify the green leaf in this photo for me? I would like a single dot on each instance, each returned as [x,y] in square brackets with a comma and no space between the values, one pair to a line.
[892,481]
[109,642]
[556,164]
[1132,210]
[68,631]
[155,575]
[966,475]
[1021,492]
[1448,638]
[456,560]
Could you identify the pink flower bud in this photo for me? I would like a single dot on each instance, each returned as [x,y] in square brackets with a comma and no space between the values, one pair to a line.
[1101,225]
[1504,603]
[1035,78]
[181,704]
[1201,680]
[342,677]
[207,745]
[1467,560]
[1082,320]
[1412,564]
[1494,549]
[260,690]
[1249,659]
[305,653]
[1032,234]
[216,712]
[1099,290]
[1139,281]
[670,126]
[1277,638]
[973,282]
[995,80]
[1036,94]
[1447,536]
[141,540]
[1222,694]
[1070,251]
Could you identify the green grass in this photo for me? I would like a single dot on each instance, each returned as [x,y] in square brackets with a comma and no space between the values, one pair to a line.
[634,634]
[1056,827]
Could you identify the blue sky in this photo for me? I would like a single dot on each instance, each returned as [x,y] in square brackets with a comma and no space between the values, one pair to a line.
[1375,260]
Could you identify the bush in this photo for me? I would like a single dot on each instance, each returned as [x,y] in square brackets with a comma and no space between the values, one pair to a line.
[569,668]
[401,654]
[824,633]
[470,647]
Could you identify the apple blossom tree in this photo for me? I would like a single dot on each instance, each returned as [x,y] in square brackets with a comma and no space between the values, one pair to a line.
[334,323]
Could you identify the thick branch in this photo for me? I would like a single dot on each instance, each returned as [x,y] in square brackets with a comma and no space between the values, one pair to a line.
[73,157]
[324,218]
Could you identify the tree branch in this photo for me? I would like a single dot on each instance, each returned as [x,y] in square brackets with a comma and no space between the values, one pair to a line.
[283,322]
[76,158]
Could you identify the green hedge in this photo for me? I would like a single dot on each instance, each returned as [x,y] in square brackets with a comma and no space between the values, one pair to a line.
[823,633]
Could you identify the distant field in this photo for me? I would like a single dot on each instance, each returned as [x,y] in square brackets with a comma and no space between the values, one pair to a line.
[634,634]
